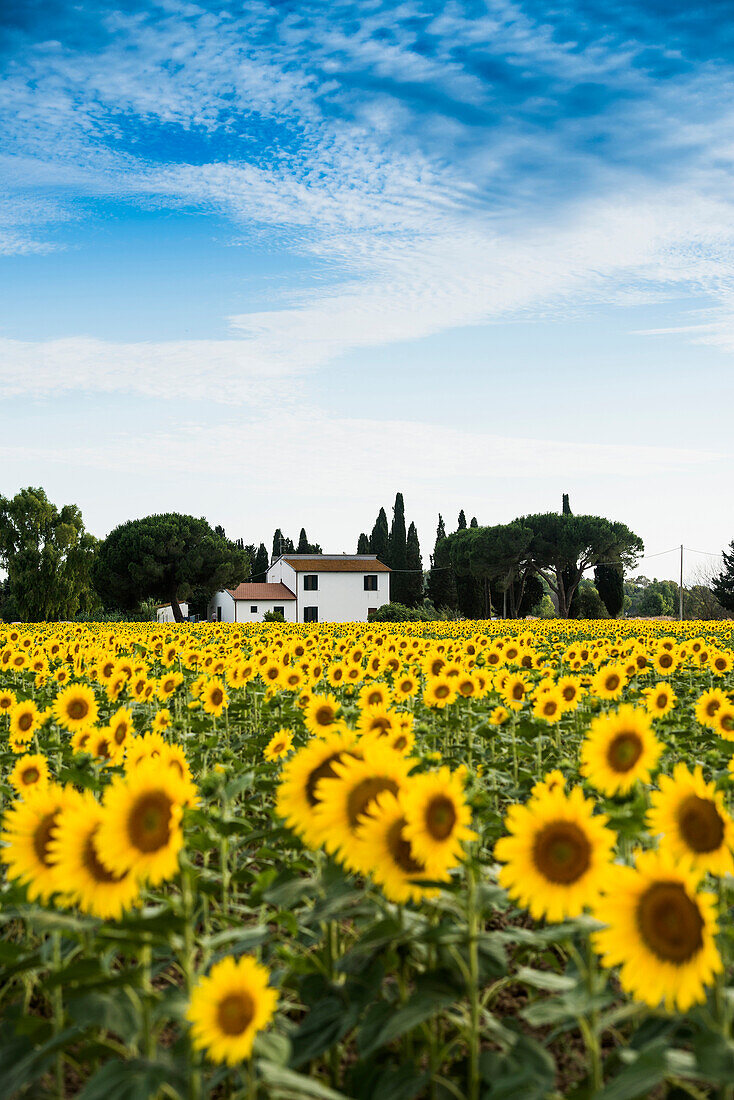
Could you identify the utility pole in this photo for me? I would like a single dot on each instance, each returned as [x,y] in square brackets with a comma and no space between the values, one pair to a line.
[680,590]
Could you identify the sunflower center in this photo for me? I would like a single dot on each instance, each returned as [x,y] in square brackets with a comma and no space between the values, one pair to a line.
[712,706]
[612,682]
[518,691]
[217,696]
[103,748]
[400,743]
[701,824]
[42,837]
[381,723]
[278,746]
[92,863]
[569,693]
[400,849]
[550,707]
[25,722]
[561,852]
[31,775]
[78,709]
[440,817]
[235,1013]
[324,716]
[149,823]
[624,751]
[670,923]
[364,793]
[661,700]
[442,691]
[324,771]
[120,733]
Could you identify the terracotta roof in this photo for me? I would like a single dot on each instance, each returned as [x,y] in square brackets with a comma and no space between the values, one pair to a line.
[327,564]
[261,592]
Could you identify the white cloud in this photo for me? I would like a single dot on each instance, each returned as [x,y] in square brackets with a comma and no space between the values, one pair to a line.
[228,372]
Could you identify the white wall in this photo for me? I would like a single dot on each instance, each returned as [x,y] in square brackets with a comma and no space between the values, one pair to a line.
[340,597]
[165,614]
[244,615]
[224,600]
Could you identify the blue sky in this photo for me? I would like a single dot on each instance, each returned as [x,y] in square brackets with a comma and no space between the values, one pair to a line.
[271,262]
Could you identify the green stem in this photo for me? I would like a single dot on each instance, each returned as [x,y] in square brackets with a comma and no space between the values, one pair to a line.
[473,951]
[188,963]
[146,958]
[58,1011]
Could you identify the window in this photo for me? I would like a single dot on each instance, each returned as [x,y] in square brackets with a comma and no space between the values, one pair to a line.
[279,611]
[310,614]
[310,582]
[370,583]
[219,613]
[253,609]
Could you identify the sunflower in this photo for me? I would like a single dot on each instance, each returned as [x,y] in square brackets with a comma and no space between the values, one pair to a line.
[609,682]
[168,684]
[29,773]
[229,1007]
[498,716]
[297,798]
[619,749]
[7,701]
[708,704]
[214,697]
[86,880]
[515,690]
[375,694]
[389,856]
[279,745]
[723,722]
[570,691]
[24,721]
[321,714]
[75,707]
[102,745]
[347,797]
[439,692]
[659,700]
[140,829]
[377,721]
[29,827]
[690,815]
[549,706]
[161,720]
[660,932]
[438,818]
[551,781]
[557,855]
[406,685]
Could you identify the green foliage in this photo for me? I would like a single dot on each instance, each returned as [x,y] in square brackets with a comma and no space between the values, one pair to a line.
[441,580]
[609,581]
[589,603]
[380,538]
[260,564]
[398,613]
[48,556]
[165,557]
[398,554]
[414,563]
[363,544]
[723,586]
[274,617]
[650,598]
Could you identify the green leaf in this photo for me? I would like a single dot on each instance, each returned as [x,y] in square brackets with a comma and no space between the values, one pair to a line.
[546,979]
[381,1029]
[135,1079]
[526,1071]
[324,1025]
[286,1084]
[108,1012]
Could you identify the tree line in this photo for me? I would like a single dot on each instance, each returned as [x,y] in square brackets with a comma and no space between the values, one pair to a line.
[58,570]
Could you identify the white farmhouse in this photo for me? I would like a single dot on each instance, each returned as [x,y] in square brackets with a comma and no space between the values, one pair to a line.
[309,588]
[333,588]
[248,603]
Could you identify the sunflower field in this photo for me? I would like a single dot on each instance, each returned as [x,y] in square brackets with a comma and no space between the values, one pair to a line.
[443,861]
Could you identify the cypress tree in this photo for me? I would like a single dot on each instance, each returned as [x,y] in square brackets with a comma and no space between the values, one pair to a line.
[260,564]
[363,544]
[473,522]
[380,538]
[398,552]
[414,577]
[723,586]
[609,581]
[462,521]
[441,580]
[573,610]
[304,547]
[279,543]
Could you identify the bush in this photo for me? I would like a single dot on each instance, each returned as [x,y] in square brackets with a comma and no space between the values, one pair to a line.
[589,603]
[399,613]
[273,617]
